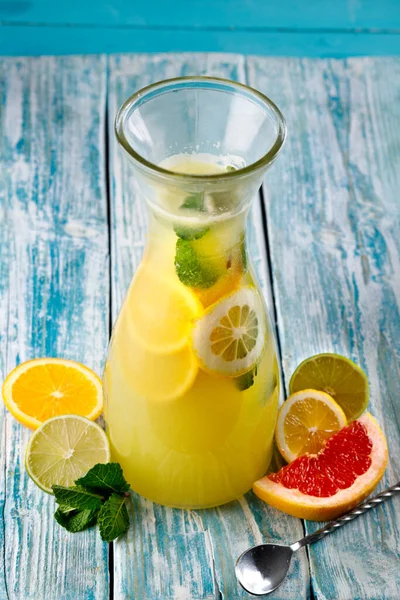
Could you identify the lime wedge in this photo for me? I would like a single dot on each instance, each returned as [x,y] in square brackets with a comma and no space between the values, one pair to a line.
[336,375]
[63,449]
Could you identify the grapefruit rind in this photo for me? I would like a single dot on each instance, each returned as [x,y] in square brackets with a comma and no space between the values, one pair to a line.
[297,504]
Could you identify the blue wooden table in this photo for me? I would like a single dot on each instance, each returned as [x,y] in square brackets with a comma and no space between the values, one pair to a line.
[280,28]
[324,237]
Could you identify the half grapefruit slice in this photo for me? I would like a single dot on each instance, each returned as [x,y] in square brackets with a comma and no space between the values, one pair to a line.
[319,487]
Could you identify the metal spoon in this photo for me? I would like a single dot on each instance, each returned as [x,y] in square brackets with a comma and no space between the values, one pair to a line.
[260,570]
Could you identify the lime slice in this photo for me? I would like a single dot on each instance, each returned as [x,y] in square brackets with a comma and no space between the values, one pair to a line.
[63,449]
[339,377]
[229,338]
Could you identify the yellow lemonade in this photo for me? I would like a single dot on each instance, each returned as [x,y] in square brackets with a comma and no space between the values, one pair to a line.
[191,380]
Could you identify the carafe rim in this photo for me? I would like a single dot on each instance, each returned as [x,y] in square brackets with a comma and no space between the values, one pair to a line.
[153,169]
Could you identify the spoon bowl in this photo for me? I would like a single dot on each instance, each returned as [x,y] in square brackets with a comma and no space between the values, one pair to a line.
[261,569]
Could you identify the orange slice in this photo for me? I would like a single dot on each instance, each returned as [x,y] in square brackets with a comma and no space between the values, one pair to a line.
[39,389]
[323,486]
[305,421]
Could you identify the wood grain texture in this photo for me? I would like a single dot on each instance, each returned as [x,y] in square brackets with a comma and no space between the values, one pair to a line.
[64,39]
[333,225]
[333,222]
[195,14]
[54,293]
[171,554]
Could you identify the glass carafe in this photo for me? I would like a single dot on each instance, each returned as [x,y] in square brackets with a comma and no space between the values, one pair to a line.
[191,380]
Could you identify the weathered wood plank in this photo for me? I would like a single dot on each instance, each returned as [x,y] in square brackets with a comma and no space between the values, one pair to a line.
[37,40]
[171,554]
[334,231]
[54,292]
[252,14]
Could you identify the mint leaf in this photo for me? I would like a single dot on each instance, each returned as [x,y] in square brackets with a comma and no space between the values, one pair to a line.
[82,520]
[63,514]
[243,251]
[63,518]
[190,233]
[191,270]
[245,381]
[194,202]
[76,497]
[76,520]
[65,510]
[104,478]
[113,518]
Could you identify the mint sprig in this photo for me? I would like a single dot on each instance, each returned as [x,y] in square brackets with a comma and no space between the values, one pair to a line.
[98,497]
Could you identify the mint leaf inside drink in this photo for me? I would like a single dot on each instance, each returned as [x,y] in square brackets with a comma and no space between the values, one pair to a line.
[191,269]
[190,233]
[243,252]
[245,381]
[194,202]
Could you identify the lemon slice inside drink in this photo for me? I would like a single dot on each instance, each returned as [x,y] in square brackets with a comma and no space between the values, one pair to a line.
[339,377]
[229,338]
[163,324]
[63,449]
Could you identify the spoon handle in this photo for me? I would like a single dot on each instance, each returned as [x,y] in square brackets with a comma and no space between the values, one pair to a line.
[356,512]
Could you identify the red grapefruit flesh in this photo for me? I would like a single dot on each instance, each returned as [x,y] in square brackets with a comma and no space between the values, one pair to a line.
[322,486]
